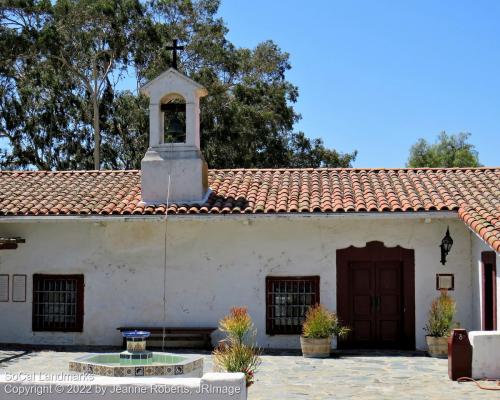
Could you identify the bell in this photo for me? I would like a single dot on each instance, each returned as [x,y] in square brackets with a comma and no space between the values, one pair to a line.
[175,131]
[175,127]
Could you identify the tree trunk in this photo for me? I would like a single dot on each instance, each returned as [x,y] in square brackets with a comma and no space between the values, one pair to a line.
[97,130]
[97,134]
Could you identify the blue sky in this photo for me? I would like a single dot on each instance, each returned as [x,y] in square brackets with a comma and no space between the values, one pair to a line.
[377,75]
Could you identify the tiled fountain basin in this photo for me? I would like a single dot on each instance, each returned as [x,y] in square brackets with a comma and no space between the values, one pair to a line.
[161,364]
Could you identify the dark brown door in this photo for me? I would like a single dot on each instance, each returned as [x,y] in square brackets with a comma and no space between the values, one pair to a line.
[488,259]
[376,296]
[388,307]
[361,293]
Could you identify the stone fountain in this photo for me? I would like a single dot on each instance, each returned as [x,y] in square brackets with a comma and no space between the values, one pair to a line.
[138,361]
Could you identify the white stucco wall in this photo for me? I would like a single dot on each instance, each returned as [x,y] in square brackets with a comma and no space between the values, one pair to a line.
[477,247]
[213,265]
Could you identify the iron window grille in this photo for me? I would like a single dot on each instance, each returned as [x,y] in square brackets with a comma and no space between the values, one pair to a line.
[58,303]
[287,301]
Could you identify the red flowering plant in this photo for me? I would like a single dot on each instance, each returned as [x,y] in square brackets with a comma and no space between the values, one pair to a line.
[238,352]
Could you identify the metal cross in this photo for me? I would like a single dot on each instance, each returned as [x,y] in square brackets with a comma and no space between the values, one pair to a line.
[174,49]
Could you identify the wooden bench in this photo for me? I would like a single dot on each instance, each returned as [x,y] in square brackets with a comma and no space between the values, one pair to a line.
[174,337]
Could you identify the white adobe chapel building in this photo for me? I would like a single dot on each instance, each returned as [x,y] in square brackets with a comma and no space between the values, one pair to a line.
[85,252]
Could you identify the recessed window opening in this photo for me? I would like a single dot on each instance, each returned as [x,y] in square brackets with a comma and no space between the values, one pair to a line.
[58,303]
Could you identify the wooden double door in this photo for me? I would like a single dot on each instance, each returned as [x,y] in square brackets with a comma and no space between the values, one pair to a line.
[375,295]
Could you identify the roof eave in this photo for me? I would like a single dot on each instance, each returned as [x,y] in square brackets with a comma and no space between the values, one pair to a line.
[235,216]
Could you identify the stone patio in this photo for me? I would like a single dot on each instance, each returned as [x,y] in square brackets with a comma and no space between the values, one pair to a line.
[367,375]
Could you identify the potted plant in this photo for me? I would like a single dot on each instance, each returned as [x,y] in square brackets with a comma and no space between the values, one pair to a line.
[439,325]
[319,327]
[238,352]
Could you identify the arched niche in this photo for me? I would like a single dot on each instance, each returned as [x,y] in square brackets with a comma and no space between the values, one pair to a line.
[174,119]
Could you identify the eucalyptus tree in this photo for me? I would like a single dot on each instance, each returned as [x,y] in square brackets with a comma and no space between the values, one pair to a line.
[42,123]
[65,64]
[89,38]
[62,59]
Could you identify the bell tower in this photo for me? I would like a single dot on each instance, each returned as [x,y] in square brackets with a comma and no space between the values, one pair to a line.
[174,141]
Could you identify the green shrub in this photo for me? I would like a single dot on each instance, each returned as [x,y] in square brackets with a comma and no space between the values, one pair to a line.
[321,323]
[238,352]
[237,357]
[441,313]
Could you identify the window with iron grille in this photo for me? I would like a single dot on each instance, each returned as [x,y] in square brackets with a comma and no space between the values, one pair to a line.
[58,303]
[287,301]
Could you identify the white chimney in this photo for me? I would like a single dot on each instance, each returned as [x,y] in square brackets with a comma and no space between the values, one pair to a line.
[176,157]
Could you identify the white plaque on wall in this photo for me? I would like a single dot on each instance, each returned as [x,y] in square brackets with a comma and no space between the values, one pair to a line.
[4,287]
[445,282]
[19,288]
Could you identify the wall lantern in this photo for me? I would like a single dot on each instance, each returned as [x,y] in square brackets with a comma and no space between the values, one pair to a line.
[446,244]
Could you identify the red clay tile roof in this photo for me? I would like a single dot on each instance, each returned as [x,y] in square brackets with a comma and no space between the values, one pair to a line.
[473,193]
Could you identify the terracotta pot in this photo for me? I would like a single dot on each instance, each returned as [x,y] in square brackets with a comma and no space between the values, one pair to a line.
[437,346]
[316,348]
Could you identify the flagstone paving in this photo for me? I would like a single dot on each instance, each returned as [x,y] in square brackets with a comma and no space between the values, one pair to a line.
[374,375]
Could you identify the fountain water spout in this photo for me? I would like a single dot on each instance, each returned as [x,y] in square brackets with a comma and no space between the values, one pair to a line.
[136,348]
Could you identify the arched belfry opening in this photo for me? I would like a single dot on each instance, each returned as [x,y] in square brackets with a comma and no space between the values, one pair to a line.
[174,141]
[173,107]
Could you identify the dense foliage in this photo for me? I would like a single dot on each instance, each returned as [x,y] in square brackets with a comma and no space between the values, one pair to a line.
[449,151]
[441,314]
[320,323]
[63,64]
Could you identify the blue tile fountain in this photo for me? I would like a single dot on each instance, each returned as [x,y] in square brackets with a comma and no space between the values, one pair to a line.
[136,360]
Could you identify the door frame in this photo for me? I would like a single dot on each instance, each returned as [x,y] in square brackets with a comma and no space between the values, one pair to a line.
[488,257]
[376,251]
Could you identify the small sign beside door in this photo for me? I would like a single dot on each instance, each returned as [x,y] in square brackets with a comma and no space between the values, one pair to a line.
[445,282]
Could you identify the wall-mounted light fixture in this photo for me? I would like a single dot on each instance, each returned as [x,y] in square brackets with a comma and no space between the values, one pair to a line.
[446,244]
